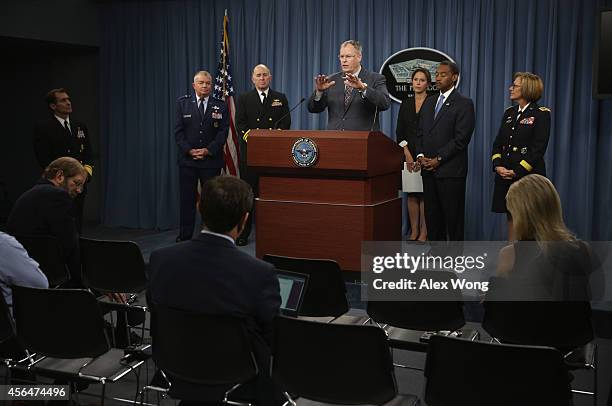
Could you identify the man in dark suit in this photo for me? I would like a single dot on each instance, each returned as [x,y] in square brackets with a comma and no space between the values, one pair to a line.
[48,210]
[62,135]
[353,97]
[446,124]
[264,108]
[210,274]
[200,132]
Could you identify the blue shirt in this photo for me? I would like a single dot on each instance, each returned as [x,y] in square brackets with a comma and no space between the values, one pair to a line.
[17,268]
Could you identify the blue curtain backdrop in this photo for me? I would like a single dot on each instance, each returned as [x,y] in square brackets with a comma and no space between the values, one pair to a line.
[151,50]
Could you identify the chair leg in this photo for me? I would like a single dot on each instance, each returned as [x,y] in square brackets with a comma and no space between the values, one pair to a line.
[289,400]
[103,392]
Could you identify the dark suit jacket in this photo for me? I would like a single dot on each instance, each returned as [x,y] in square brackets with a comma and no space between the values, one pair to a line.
[51,141]
[191,130]
[46,210]
[446,135]
[210,274]
[361,110]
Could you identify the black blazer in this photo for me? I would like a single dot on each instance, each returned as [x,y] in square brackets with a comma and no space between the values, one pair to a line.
[52,141]
[46,210]
[446,135]
[408,123]
[251,114]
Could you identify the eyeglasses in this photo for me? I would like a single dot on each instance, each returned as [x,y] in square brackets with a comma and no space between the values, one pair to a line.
[346,56]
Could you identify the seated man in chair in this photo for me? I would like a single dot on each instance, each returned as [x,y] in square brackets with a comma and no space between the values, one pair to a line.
[210,274]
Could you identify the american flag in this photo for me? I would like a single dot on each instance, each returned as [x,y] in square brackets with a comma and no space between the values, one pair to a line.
[224,90]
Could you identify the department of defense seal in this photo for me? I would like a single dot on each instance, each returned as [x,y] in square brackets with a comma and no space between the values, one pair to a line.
[304,152]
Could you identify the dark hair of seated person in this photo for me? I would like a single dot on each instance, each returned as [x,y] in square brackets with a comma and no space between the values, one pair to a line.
[224,202]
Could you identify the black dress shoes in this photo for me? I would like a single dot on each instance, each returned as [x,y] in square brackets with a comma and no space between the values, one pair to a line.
[241,242]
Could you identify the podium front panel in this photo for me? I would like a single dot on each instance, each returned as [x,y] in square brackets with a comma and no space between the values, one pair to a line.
[323,230]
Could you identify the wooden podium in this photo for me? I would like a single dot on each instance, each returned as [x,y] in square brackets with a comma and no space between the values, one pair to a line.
[349,195]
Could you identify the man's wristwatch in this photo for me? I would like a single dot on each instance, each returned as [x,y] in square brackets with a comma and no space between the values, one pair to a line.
[439,158]
[365,87]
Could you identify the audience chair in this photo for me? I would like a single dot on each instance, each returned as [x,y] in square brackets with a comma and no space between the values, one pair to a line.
[116,267]
[65,328]
[334,363]
[411,321]
[11,351]
[563,325]
[200,349]
[47,251]
[462,372]
[325,294]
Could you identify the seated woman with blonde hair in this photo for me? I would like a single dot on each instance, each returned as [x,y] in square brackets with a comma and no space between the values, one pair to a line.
[541,293]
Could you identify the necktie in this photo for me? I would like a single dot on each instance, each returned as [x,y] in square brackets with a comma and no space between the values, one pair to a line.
[439,105]
[201,108]
[263,97]
[67,128]
[347,95]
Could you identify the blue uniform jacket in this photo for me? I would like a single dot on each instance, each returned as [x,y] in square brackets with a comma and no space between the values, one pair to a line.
[194,131]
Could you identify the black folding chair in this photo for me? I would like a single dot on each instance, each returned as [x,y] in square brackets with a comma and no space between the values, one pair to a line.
[410,322]
[462,372]
[566,326]
[11,350]
[65,328]
[47,251]
[116,267]
[325,294]
[334,363]
[200,349]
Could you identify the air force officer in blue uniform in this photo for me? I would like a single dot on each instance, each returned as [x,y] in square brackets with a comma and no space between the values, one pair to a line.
[200,133]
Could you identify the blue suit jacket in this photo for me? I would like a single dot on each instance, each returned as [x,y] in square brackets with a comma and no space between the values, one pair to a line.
[191,130]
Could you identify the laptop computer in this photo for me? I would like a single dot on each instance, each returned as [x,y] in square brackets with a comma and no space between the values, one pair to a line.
[292,291]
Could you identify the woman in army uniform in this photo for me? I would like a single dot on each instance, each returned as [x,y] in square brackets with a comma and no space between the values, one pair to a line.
[522,139]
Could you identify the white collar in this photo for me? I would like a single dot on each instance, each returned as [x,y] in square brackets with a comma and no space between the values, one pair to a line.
[62,120]
[227,237]
[524,108]
[447,93]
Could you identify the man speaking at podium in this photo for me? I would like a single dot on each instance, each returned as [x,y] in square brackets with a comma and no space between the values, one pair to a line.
[354,96]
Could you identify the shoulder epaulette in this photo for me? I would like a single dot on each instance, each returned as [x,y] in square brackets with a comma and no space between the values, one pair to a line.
[184,97]
[544,109]
[508,108]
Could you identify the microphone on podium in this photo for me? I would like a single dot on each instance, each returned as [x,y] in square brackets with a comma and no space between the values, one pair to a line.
[289,112]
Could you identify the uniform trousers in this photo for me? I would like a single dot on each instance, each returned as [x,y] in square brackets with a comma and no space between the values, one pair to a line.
[188,183]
